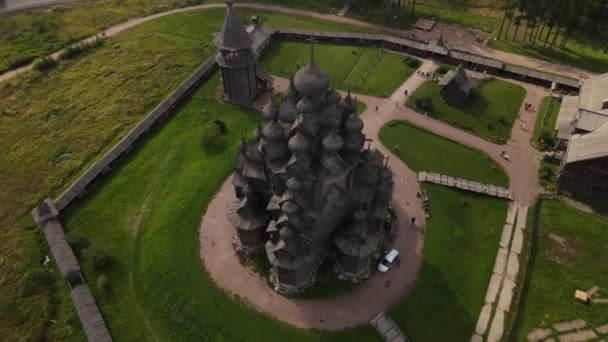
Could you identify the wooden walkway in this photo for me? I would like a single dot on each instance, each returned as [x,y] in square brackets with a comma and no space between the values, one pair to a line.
[388,329]
[465,184]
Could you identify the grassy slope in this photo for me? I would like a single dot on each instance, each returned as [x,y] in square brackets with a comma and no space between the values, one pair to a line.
[547,115]
[562,266]
[147,213]
[55,124]
[369,71]
[438,154]
[459,251]
[29,36]
[492,99]
[461,240]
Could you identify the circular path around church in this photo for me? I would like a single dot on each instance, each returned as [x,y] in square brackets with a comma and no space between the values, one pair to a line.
[351,309]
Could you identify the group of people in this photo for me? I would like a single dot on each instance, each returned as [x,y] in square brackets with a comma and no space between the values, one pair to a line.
[426,74]
[528,106]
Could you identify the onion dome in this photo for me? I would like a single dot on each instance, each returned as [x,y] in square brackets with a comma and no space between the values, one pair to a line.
[353,124]
[270,111]
[290,207]
[256,134]
[298,143]
[311,80]
[332,142]
[253,155]
[332,97]
[385,174]
[287,110]
[286,234]
[294,184]
[305,105]
[368,156]
[348,104]
[272,131]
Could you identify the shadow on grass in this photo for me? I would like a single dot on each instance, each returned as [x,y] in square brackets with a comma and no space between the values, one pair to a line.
[433,312]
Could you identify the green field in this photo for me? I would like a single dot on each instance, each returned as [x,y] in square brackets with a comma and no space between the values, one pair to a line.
[425,151]
[460,245]
[54,124]
[461,237]
[571,248]
[545,123]
[489,112]
[369,71]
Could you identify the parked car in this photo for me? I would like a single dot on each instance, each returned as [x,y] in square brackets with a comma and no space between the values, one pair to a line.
[391,258]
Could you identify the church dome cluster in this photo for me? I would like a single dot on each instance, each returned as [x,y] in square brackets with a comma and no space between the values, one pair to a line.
[308,189]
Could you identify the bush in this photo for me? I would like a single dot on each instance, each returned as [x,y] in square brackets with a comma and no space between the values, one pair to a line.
[34,279]
[442,70]
[44,63]
[101,259]
[74,51]
[78,242]
[547,140]
[546,173]
[425,103]
[503,120]
[412,62]
[210,135]
[103,284]
[19,62]
[490,126]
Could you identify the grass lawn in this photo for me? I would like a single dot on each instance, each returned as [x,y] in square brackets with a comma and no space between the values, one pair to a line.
[54,124]
[423,150]
[571,248]
[489,112]
[30,35]
[547,175]
[146,214]
[461,242]
[369,71]
[580,52]
[545,123]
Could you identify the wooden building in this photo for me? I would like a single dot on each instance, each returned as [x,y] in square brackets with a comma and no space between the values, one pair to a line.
[456,86]
[582,132]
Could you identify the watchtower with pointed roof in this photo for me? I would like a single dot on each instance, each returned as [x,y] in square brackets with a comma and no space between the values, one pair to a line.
[236,59]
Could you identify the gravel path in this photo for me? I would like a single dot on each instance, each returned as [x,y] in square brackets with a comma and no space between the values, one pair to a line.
[456,37]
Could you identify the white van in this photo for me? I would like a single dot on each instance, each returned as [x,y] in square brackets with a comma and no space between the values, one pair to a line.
[391,258]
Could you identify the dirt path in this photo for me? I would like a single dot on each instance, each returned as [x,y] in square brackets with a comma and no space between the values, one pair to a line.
[457,37]
[224,267]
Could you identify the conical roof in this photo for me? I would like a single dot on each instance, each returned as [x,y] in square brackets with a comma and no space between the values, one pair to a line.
[233,36]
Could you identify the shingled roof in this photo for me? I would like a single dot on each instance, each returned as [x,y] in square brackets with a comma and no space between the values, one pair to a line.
[588,146]
[463,81]
[233,36]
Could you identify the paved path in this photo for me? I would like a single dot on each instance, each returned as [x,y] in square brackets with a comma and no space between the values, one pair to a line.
[457,37]
[465,184]
[224,266]
[501,288]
